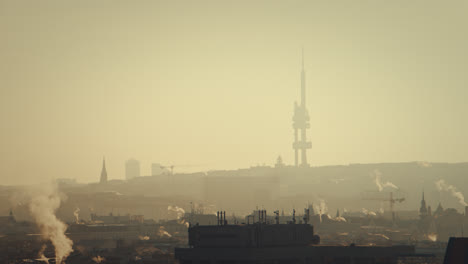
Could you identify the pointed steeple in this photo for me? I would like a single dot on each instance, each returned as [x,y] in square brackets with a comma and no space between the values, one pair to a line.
[439,210]
[423,208]
[12,217]
[103,171]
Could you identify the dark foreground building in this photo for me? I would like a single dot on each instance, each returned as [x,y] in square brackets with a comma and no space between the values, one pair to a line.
[457,251]
[278,243]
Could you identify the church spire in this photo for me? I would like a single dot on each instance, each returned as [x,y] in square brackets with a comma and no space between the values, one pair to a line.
[103,171]
[423,208]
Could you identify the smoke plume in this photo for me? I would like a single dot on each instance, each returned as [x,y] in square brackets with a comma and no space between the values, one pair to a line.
[98,259]
[442,186]
[43,206]
[321,207]
[77,216]
[367,212]
[163,233]
[41,256]
[340,219]
[180,214]
[180,211]
[378,181]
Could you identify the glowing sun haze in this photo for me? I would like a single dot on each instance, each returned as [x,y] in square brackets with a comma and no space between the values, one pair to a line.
[211,84]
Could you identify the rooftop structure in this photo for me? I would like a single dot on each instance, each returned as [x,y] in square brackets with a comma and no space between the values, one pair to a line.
[262,242]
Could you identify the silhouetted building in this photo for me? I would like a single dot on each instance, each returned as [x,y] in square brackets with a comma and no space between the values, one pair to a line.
[423,208]
[276,243]
[279,162]
[103,172]
[132,169]
[6,220]
[456,252]
[300,124]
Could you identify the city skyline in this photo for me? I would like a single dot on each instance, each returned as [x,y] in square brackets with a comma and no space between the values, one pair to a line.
[196,84]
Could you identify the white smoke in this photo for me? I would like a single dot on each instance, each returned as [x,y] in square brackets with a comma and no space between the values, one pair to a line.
[340,219]
[180,211]
[367,212]
[43,205]
[180,214]
[442,186]
[76,213]
[41,256]
[98,259]
[321,208]
[378,181]
[163,233]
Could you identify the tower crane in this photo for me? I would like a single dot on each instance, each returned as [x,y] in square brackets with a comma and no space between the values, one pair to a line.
[391,200]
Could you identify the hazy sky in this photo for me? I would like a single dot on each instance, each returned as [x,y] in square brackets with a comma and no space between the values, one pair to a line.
[211,84]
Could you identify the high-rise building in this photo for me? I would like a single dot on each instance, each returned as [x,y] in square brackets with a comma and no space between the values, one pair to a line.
[132,169]
[156,169]
[301,124]
[103,172]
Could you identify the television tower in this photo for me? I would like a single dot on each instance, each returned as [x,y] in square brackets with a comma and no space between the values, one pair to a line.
[301,124]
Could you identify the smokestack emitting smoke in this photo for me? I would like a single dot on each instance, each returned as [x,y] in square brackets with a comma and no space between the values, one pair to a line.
[77,216]
[442,186]
[43,207]
[321,208]
[378,181]
[180,213]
